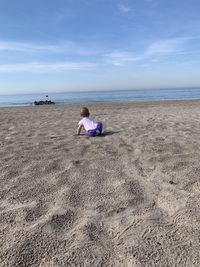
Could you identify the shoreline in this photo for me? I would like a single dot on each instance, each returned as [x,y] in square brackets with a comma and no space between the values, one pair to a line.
[110,103]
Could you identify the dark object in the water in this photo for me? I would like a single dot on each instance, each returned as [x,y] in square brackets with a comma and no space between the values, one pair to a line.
[46,102]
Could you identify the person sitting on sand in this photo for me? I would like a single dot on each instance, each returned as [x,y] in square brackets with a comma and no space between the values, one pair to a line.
[91,128]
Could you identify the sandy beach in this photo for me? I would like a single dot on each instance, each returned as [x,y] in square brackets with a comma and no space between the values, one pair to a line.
[130,197]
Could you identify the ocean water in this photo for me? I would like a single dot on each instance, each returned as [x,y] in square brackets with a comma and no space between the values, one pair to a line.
[102,96]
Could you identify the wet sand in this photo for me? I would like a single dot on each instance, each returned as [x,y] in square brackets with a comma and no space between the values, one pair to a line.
[128,198]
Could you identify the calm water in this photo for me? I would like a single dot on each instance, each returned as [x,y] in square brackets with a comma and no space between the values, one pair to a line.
[103,96]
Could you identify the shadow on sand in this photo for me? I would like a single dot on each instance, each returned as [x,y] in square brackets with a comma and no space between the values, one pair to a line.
[106,133]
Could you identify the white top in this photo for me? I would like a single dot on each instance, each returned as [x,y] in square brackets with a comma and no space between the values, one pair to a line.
[88,123]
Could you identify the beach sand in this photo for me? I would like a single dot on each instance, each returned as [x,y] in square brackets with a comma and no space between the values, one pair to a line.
[128,198]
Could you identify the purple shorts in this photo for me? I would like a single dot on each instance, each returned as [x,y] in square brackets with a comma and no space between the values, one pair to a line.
[96,131]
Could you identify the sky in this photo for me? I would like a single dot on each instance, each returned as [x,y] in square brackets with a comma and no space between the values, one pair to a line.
[80,45]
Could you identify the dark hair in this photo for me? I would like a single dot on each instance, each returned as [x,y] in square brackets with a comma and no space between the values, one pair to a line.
[85,112]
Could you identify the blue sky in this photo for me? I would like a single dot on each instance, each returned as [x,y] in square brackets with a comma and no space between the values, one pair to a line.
[69,45]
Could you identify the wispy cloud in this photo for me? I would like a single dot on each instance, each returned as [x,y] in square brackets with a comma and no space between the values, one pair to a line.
[154,52]
[65,47]
[119,58]
[27,47]
[36,67]
[166,46]
[157,49]
[122,8]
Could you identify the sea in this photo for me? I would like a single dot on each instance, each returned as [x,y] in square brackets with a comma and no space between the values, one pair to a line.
[102,96]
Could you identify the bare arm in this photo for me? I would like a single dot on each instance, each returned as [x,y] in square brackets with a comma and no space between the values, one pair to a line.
[79,129]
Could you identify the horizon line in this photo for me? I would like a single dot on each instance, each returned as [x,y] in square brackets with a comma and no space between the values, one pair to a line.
[105,90]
